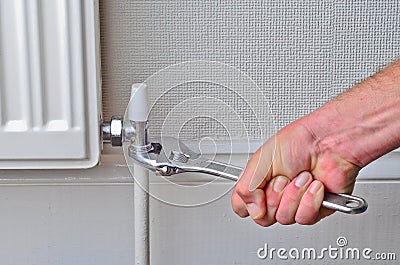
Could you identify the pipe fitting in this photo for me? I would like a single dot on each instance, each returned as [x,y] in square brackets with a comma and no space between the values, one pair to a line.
[113,131]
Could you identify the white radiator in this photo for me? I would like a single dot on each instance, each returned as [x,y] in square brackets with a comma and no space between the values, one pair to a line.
[49,80]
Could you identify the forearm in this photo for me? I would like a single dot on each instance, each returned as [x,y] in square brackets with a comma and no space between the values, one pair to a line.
[363,123]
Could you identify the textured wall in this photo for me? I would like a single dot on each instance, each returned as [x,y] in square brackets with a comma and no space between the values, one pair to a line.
[300,53]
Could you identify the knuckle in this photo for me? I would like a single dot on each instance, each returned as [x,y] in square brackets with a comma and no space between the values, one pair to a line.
[239,210]
[242,214]
[292,195]
[284,219]
[306,219]
[265,222]
[272,202]
[306,215]
[262,223]
[308,204]
[243,191]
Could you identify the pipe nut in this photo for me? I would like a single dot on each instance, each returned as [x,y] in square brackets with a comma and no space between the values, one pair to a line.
[116,130]
[112,131]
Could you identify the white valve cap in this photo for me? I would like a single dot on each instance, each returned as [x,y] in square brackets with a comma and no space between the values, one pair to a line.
[138,109]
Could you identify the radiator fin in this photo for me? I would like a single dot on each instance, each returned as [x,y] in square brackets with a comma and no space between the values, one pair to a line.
[43,82]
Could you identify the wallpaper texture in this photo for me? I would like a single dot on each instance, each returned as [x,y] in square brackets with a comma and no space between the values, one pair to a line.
[299,54]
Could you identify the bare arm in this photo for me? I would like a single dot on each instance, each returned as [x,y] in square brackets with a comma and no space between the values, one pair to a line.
[364,122]
[322,151]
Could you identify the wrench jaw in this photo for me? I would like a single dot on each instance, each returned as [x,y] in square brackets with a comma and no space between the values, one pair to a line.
[154,158]
[173,157]
[170,156]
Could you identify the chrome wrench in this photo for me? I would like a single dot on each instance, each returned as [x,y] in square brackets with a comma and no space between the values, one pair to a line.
[169,156]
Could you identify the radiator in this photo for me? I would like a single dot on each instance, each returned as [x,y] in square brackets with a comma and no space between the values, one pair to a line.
[49,80]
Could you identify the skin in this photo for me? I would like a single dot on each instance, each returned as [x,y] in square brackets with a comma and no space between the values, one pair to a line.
[324,150]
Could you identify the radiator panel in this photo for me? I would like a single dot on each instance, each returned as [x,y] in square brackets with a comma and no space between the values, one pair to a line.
[49,84]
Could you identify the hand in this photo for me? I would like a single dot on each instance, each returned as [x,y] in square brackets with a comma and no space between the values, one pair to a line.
[284,181]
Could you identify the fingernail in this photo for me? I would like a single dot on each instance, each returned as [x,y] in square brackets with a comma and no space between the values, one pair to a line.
[302,179]
[255,182]
[253,210]
[315,187]
[280,183]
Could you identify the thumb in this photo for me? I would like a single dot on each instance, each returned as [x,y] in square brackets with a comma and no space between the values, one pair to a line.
[258,171]
[254,178]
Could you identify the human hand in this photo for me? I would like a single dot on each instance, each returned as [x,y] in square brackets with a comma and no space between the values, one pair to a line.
[284,181]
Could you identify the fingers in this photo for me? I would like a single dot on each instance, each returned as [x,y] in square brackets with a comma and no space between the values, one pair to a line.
[308,212]
[273,193]
[255,204]
[291,198]
[238,206]
[246,202]
[282,201]
[248,197]
[258,170]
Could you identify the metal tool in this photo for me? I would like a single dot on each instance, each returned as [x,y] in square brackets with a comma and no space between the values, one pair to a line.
[169,156]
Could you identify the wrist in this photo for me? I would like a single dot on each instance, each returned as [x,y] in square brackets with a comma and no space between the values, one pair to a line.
[363,123]
[351,141]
